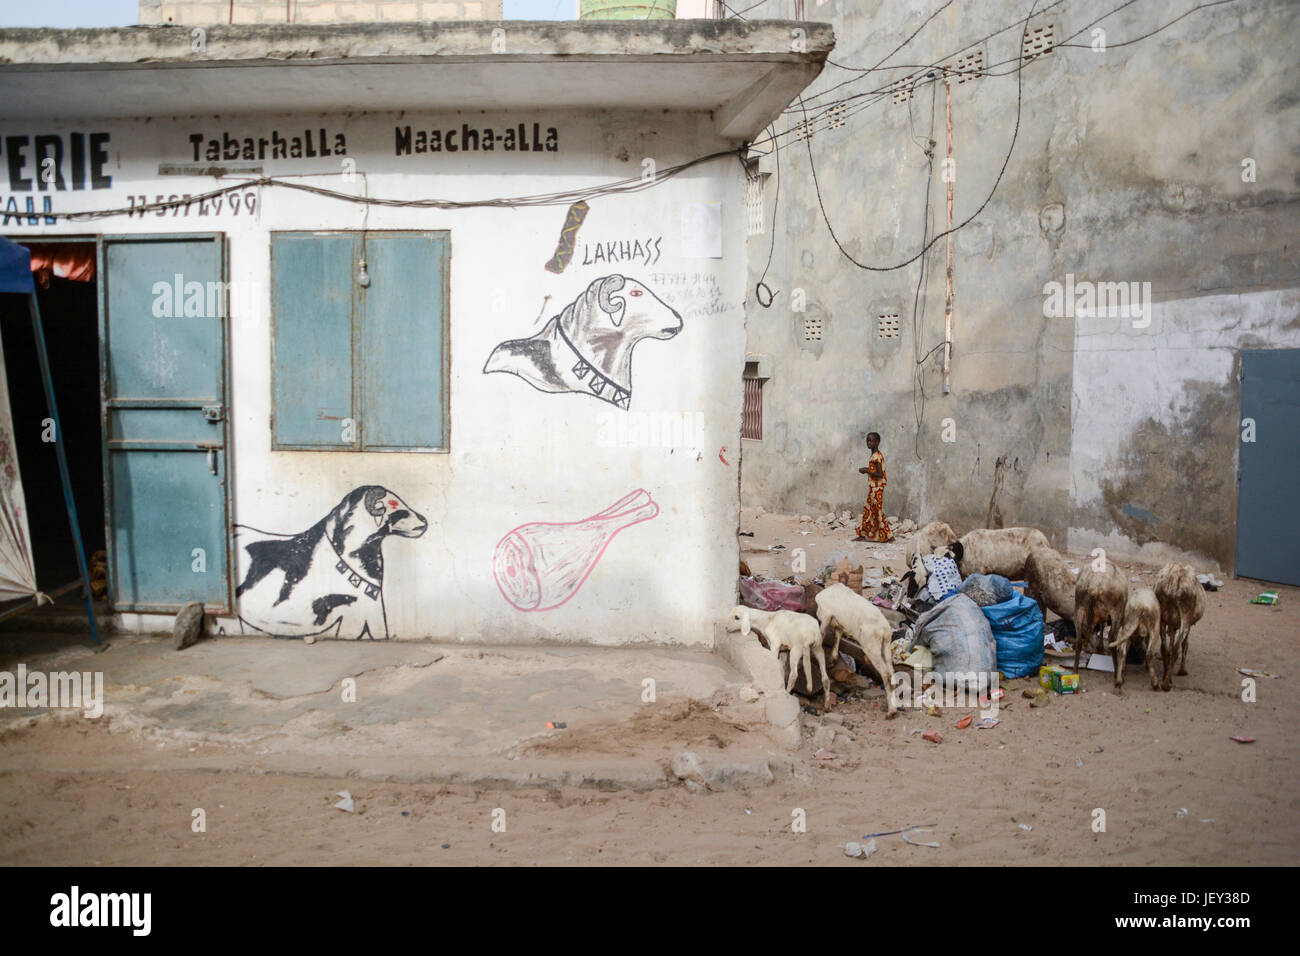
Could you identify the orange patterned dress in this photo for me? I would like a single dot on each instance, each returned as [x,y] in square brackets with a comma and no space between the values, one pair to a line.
[874,527]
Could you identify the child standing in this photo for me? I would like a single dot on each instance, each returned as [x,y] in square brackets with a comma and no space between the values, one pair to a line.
[874,527]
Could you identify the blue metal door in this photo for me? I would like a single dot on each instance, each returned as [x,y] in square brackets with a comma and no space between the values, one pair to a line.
[1268,493]
[163,362]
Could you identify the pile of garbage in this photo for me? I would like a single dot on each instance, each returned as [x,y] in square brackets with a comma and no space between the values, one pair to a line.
[831,521]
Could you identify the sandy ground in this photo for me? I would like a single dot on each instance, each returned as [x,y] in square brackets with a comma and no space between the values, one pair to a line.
[1174,787]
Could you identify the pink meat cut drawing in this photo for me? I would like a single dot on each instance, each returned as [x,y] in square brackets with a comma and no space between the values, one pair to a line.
[540,565]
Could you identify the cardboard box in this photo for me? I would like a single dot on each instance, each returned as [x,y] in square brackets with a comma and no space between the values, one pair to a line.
[1056,678]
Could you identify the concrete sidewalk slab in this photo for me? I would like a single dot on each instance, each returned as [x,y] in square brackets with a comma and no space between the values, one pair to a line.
[400,710]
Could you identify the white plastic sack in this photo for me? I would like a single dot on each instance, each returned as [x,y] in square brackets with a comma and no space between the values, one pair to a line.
[17,569]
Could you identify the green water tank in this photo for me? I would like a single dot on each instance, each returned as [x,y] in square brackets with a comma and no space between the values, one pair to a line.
[627,9]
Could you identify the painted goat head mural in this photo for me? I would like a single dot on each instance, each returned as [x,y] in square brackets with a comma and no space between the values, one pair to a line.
[329,579]
[587,348]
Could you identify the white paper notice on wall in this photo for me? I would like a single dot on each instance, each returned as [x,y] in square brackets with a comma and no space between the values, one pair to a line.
[702,230]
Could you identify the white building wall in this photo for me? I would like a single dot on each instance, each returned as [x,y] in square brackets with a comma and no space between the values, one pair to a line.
[516,455]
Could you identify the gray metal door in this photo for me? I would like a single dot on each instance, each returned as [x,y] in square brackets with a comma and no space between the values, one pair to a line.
[1268,476]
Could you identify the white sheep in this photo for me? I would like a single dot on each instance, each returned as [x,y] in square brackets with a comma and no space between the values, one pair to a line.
[1141,622]
[788,630]
[1182,602]
[935,535]
[1001,551]
[842,610]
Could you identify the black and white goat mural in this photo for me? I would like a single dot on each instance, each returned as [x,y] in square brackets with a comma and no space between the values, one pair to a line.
[587,348]
[328,580]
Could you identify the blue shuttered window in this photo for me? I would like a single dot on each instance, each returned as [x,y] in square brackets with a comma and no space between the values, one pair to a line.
[359,368]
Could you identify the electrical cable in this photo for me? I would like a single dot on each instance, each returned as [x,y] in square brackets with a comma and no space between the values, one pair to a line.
[637,184]
[918,371]
[738,13]
[925,247]
[762,280]
[562,198]
[1021,63]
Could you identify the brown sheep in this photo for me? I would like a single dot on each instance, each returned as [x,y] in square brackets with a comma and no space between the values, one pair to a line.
[1141,621]
[1182,603]
[1100,599]
[1050,581]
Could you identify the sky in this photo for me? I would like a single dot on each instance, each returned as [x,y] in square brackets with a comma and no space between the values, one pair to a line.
[120,13]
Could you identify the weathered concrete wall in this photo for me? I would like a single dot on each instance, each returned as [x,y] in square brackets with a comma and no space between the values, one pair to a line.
[517,454]
[209,12]
[1128,166]
[1156,426]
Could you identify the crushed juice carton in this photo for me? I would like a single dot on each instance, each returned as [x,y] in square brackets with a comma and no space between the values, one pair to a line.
[1267,597]
[1056,678]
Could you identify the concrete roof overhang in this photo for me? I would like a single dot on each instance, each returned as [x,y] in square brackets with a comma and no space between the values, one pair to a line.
[743,72]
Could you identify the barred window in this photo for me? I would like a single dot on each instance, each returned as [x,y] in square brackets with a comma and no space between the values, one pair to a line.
[751,418]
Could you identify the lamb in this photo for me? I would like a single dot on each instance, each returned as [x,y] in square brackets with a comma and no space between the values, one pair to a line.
[1100,599]
[841,610]
[935,535]
[1141,620]
[997,550]
[792,631]
[1182,602]
[1050,581]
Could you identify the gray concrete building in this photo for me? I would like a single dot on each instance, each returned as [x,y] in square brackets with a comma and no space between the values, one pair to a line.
[211,12]
[1124,238]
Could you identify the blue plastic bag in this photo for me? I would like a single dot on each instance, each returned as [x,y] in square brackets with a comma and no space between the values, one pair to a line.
[1017,627]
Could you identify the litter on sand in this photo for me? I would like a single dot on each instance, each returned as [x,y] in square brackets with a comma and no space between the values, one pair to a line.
[860,851]
[907,839]
[1100,662]
[1251,672]
[824,754]
[988,723]
[1026,827]
[1244,740]
[346,804]
[1182,812]
[933,736]
[555,725]
[920,826]
[1265,597]
[965,722]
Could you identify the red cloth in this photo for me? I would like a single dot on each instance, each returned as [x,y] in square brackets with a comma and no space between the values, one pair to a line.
[771,595]
[67,260]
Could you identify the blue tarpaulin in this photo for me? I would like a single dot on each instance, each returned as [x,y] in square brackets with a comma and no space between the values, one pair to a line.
[15,268]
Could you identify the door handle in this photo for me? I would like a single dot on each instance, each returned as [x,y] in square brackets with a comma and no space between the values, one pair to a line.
[211,448]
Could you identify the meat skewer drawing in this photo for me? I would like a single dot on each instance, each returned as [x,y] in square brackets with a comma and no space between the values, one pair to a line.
[540,565]
[573,220]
